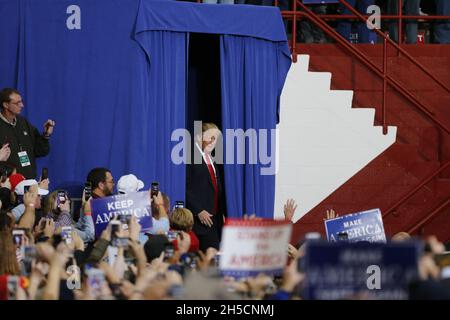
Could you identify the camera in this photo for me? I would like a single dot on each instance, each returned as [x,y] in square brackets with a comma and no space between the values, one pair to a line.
[26,189]
[154,189]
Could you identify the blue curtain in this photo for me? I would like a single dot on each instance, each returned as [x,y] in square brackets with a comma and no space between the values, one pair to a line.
[115,104]
[252,75]
[117,87]
[166,100]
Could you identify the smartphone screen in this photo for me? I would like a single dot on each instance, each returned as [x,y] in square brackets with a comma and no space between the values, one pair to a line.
[115,228]
[87,190]
[18,237]
[155,189]
[66,234]
[61,197]
[179,204]
[13,287]
[172,235]
[44,174]
[95,280]
[168,250]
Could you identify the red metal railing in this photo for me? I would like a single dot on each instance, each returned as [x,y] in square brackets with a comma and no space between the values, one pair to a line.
[430,216]
[307,13]
[316,19]
[415,190]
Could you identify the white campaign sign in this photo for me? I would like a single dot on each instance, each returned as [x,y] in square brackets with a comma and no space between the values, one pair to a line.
[250,247]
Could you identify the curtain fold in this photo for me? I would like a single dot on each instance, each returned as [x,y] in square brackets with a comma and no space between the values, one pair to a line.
[166,99]
[252,75]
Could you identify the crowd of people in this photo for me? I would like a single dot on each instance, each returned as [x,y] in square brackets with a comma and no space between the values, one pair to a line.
[45,253]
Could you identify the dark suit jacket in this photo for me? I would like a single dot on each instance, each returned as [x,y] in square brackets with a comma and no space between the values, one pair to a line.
[200,196]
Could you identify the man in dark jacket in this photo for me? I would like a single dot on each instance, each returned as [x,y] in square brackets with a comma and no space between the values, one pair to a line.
[25,142]
[204,190]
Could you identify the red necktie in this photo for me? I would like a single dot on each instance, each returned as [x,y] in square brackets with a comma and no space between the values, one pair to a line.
[214,182]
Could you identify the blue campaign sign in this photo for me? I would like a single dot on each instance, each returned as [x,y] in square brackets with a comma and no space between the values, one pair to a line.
[359,270]
[361,226]
[136,203]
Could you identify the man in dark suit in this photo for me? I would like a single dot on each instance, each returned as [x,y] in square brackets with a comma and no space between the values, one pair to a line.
[204,190]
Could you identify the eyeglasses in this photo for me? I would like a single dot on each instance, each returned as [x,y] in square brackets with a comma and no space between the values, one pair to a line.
[16,103]
[110,181]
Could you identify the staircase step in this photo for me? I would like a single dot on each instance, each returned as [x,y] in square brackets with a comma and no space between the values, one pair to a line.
[303,62]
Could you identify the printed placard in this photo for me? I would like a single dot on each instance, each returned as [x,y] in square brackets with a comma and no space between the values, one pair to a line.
[251,247]
[136,203]
[361,226]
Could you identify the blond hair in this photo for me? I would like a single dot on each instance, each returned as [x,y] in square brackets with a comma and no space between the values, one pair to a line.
[208,126]
[182,219]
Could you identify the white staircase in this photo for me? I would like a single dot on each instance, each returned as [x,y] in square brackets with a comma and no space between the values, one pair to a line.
[323,141]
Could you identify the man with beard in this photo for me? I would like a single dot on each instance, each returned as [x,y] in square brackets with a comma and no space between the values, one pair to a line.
[102,182]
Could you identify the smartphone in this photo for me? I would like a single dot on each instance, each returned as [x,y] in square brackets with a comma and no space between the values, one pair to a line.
[115,228]
[168,250]
[66,234]
[4,176]
[120,242]
[193,263]
[179,204]
[13,287]
[154,189]
[95,281]
[343,236]
[44,174]
[125,218]
[62,197]
[217,259]
[18,237]
[172,235]
[87,190]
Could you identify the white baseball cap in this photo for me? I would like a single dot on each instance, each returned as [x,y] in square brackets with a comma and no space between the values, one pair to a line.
[19,190]
[129,183]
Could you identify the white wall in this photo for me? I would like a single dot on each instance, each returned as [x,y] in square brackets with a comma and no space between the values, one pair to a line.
[323,142]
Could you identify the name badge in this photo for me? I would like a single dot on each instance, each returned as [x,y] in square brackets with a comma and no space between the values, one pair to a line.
[24,159]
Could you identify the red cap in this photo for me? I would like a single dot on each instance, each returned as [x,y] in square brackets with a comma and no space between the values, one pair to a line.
[15,179]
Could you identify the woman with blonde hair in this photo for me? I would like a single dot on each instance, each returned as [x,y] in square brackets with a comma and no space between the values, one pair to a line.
[182,219]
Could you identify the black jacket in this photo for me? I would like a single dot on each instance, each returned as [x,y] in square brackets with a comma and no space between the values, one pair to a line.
[24,137]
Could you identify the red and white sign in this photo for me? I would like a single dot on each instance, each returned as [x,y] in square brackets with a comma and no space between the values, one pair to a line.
[250,247]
